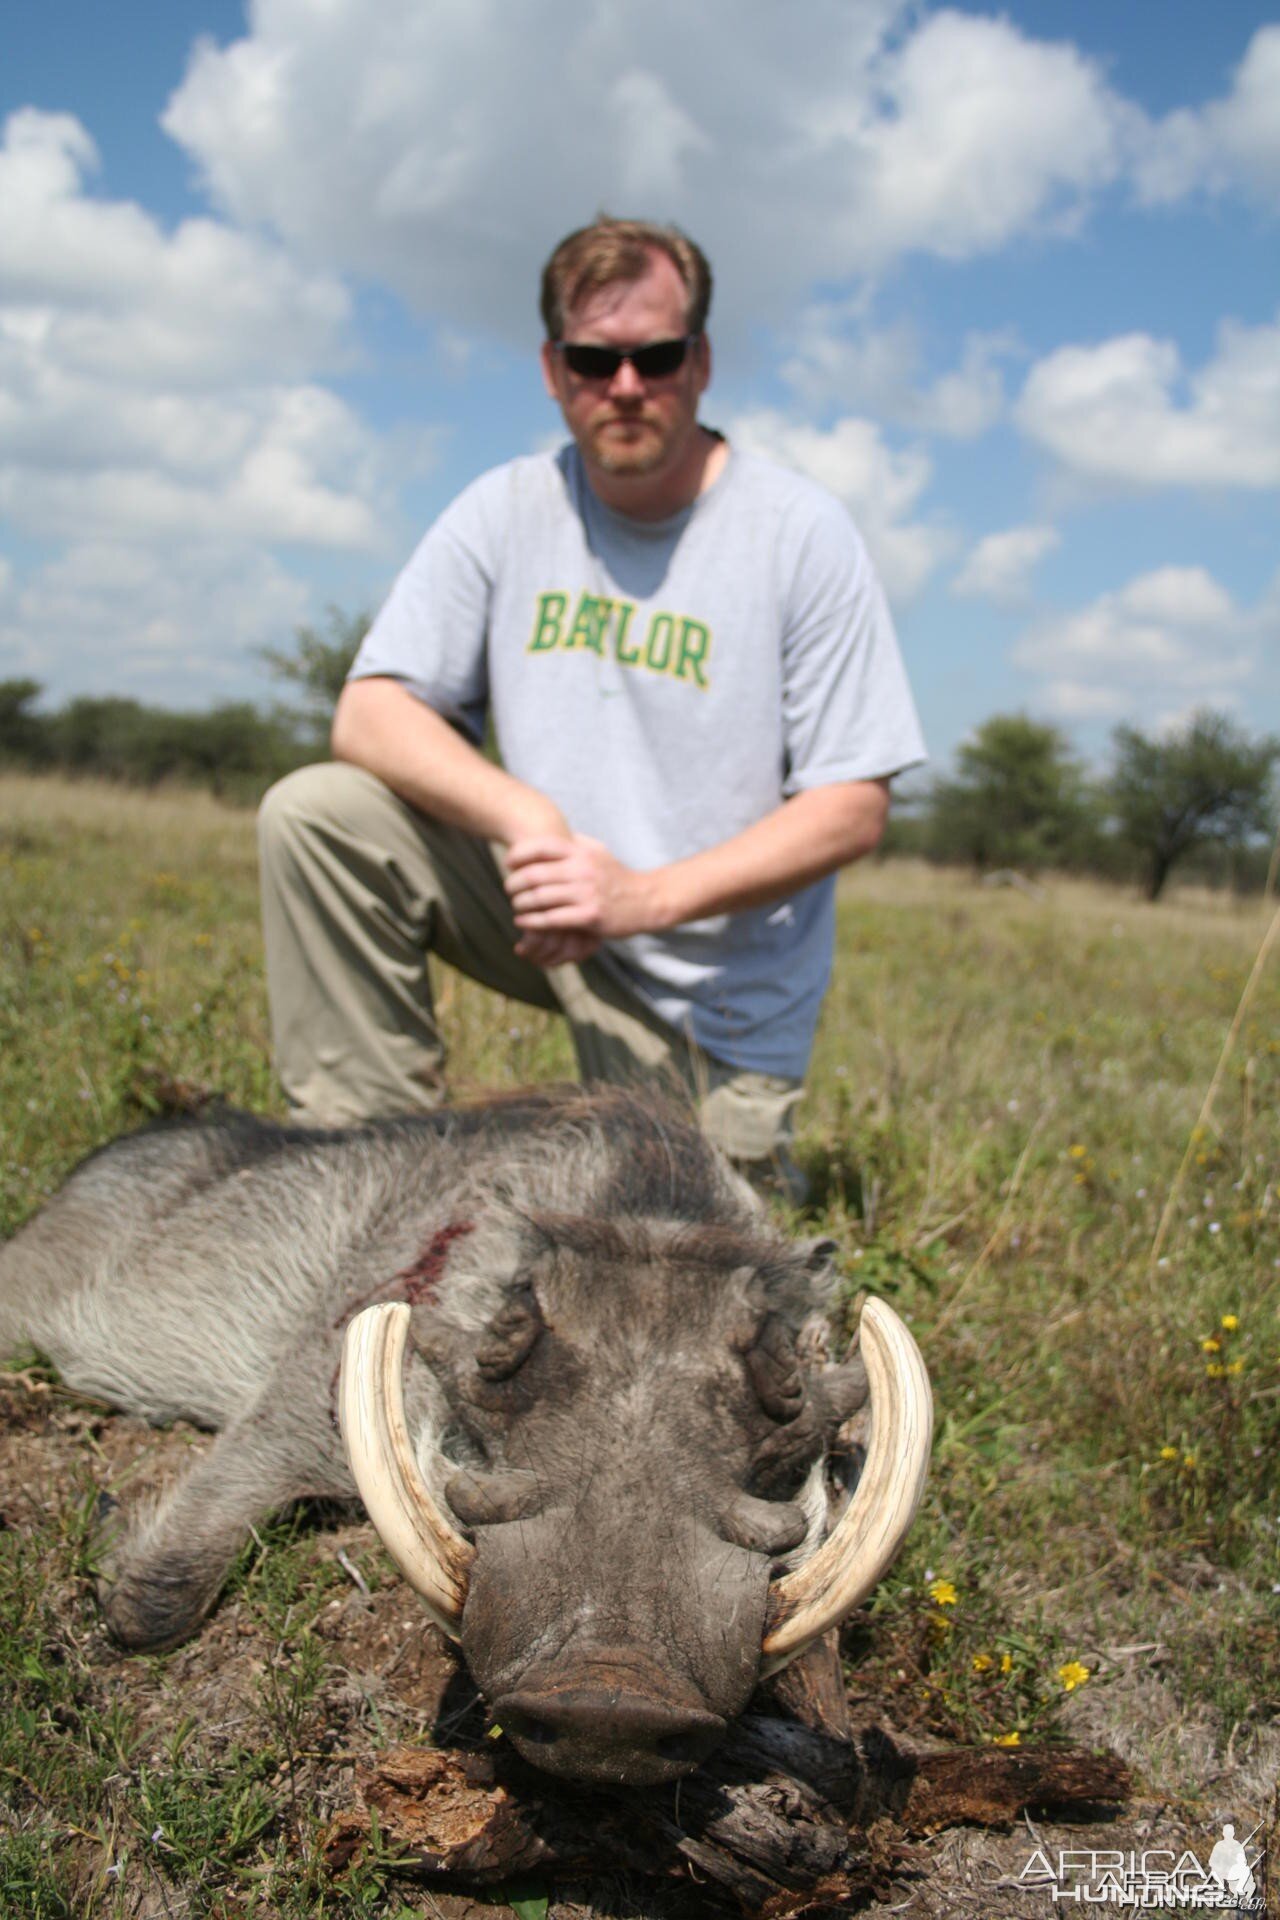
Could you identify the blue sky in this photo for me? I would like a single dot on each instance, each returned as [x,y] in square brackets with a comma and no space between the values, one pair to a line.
[1007,282]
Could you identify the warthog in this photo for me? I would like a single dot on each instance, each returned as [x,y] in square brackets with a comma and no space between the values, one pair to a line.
[601,1466]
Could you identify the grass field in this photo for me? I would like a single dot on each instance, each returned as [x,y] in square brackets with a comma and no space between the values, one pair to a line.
[1005,1090]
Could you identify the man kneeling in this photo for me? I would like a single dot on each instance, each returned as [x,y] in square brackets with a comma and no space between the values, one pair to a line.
[698,701]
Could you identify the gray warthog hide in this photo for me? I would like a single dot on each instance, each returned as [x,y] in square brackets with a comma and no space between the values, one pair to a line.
[609,1394]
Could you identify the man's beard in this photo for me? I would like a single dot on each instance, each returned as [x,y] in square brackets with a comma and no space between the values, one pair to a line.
[615,452]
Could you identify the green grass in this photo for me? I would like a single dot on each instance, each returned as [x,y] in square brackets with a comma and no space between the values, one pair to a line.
[1002,1095]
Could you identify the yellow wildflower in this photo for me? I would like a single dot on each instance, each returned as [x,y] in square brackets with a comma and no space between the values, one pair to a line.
[1229,1322]
[1188,1460]
[1006,1663]
[1214,1371]
[1077,1152]
[982,1663]
[1168,1453]
[1013,1739]
[942,1593]
[1211,1345]
[1234,1366]
[1073,1675]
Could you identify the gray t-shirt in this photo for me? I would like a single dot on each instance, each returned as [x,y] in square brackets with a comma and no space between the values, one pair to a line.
[667,684]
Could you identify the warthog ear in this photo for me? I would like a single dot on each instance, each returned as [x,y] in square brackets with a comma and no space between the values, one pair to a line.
[510,1336]
[818,1254]
[775,1370]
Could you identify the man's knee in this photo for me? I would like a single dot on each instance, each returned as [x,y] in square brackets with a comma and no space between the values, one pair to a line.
[329,793]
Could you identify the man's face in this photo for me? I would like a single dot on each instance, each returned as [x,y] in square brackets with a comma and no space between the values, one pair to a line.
[629,425]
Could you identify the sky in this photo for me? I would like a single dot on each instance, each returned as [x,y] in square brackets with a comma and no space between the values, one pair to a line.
[1008,283]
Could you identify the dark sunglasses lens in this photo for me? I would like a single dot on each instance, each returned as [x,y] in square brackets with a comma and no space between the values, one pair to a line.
[591,363]
[654,362]
[660,358]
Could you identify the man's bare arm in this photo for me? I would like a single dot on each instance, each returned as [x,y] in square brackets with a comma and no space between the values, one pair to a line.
[380,726]
[584,888]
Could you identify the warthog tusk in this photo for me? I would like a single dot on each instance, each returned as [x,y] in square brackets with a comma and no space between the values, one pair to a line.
[430,1553]
[866,1538]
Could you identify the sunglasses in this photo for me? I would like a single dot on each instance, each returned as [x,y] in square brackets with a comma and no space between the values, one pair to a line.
[656,361]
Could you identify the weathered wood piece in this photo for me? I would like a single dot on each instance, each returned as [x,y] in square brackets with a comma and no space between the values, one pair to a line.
[784,1820]
[812,1690]
[991,1787]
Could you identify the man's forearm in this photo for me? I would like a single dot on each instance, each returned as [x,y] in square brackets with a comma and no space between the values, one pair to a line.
[379,725]
[809,836]
[582,886]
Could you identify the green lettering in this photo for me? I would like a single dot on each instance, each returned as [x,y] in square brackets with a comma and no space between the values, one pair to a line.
[661,639]
[695,645]
[547,624]
[589,623]
[629,656]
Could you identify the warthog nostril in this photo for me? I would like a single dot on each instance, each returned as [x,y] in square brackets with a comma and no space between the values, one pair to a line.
[526,1727]
[605,1732]
[690,1748]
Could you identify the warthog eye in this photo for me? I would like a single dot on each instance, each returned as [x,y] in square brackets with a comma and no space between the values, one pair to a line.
[510,1337]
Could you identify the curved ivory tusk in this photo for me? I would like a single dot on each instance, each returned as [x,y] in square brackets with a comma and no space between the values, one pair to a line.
[430,1553]
[866,1538]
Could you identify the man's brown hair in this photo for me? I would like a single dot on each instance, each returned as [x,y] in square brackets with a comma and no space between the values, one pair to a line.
[610,250]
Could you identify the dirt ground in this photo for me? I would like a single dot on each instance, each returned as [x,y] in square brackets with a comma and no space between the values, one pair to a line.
[388,1674]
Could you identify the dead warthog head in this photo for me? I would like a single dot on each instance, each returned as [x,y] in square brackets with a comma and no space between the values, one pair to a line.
[625,1522]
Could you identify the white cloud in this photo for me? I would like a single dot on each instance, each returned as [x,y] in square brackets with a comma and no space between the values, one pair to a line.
[390,141]
[836,361]
[879,487]
[1229,142]
[1181,596]
[159,413]
[104,289]
[1126,412]
[145,386]
[1000,566]
[1165,642]
[105,618]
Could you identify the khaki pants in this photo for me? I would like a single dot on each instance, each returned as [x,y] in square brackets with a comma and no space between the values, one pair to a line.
[357,889]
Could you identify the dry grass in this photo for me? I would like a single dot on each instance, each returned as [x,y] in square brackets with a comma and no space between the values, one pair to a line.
[1005,1087]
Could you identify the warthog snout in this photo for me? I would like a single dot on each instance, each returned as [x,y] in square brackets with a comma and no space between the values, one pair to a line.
[599,1719]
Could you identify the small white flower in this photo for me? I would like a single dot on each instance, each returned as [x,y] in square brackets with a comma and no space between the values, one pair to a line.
[1215,1226]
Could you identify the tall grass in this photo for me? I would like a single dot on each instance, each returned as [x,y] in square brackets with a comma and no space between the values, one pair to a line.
[1004,1090]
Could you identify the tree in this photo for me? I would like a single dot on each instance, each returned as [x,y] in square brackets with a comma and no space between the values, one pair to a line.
[1208,781]
[1019,799]
[319,664]
[23,734]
